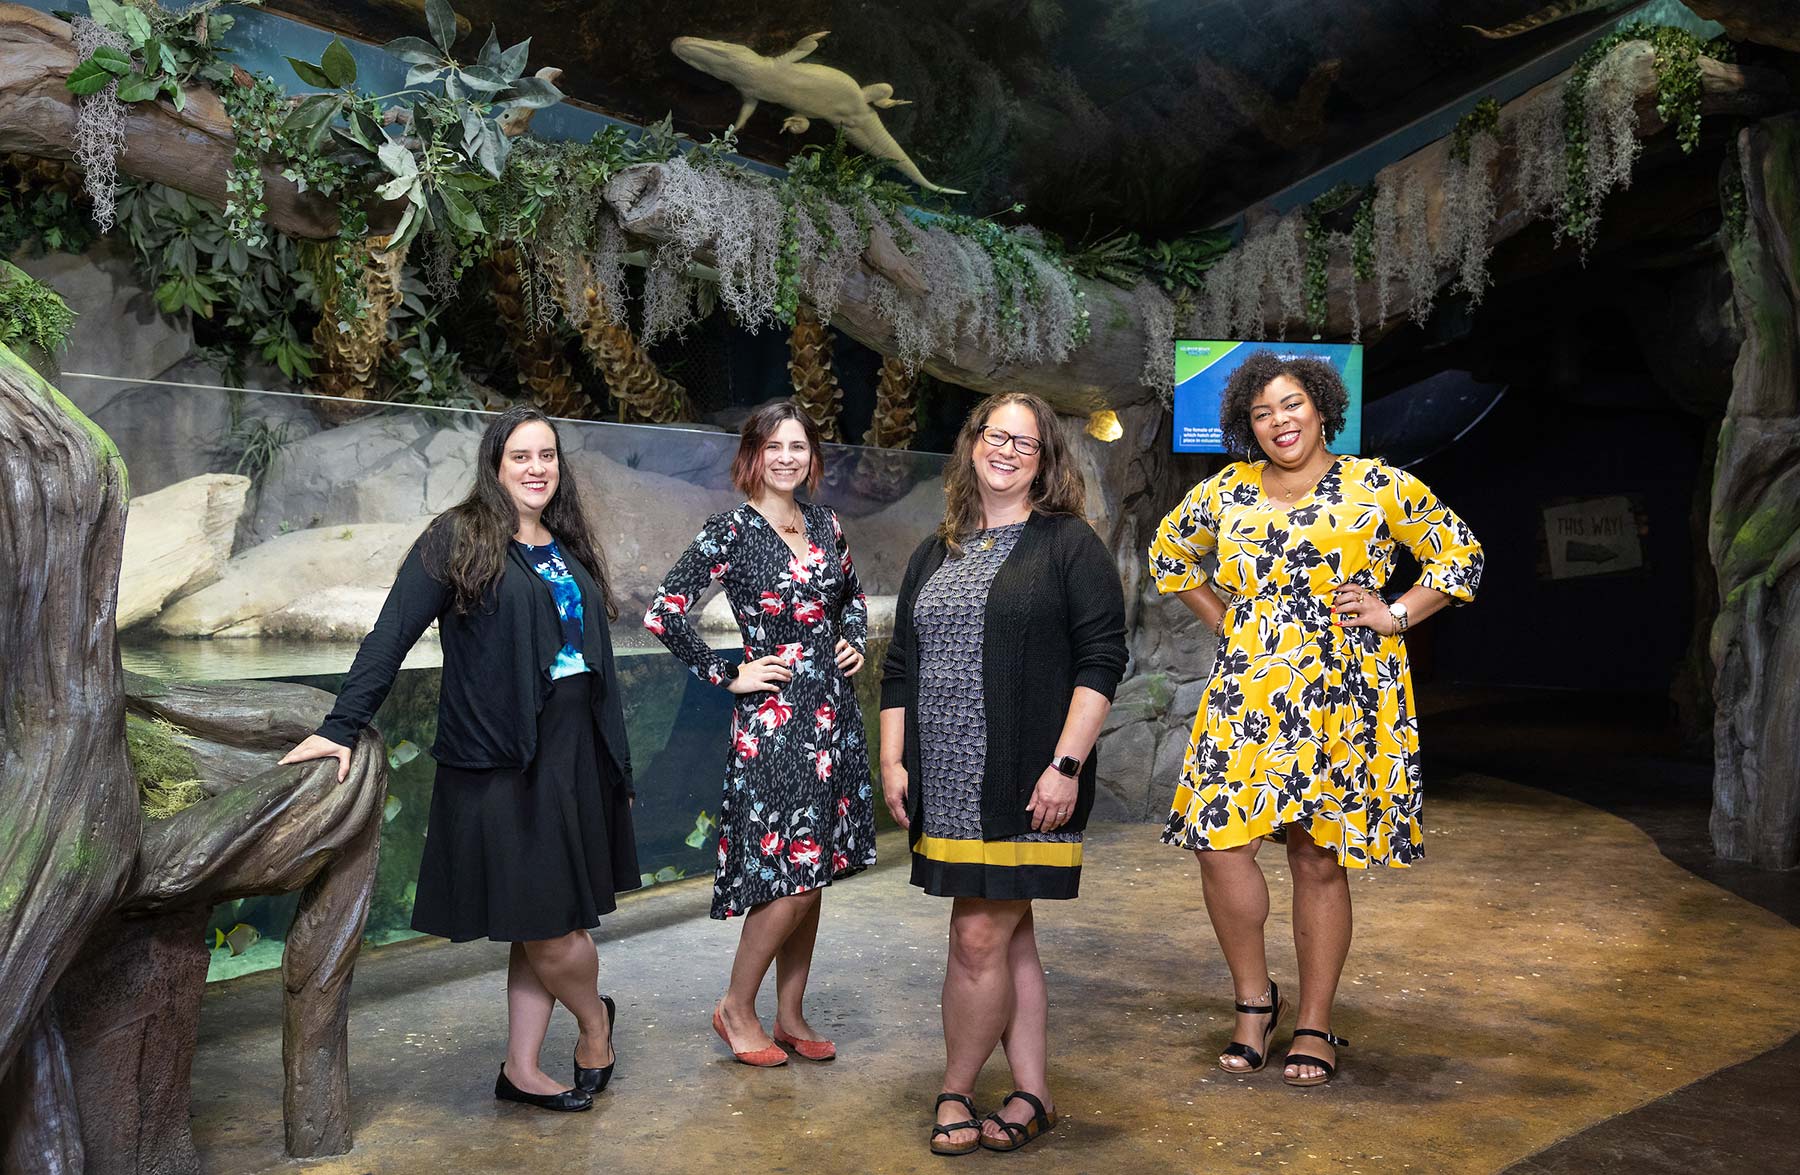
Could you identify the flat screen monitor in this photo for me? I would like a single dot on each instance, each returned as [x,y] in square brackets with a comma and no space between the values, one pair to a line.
[1202,367]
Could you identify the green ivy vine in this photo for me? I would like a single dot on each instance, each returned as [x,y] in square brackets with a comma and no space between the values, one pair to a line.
[1483,119]
[1678,100]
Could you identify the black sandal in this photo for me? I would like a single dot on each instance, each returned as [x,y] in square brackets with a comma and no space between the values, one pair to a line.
[1257,1059]
[1019,1133]
[1336,1042]
[950,1128]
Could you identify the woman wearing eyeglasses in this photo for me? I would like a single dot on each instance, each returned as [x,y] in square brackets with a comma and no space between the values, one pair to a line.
[1009,639]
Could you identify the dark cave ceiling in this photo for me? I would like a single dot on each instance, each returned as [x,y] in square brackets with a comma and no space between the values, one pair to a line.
[1160,116]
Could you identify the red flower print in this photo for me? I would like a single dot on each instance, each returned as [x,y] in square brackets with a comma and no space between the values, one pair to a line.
[724,847]
[773,712]
[771,844]
[771,603]
[823,760]
[839,862]
[673,602]
[808,612]
[719,569]
[843,806]
[824,716]
[791,655]
[745,744]
[804,851]
[653,622]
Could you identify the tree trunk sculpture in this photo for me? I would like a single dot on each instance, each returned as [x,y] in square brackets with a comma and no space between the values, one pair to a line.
[884,476]
[815,384]
[544,371]
[351,345]
[1755,539]
[644,393]
[101,960]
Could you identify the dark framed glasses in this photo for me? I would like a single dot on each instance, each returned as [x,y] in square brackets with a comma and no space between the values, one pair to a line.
[1024,446]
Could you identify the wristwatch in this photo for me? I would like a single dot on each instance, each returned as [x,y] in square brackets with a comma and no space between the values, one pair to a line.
[1068,765]
[1398,611]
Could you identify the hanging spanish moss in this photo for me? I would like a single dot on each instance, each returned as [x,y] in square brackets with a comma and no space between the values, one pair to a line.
[1158,314]
[99,124]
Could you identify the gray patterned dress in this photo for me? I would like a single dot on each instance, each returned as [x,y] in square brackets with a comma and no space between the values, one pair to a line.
[950,859]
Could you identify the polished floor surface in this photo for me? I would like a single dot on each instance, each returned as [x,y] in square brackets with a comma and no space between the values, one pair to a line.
[1547,977]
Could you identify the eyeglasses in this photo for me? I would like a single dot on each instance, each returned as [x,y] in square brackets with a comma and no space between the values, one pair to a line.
[1022,445]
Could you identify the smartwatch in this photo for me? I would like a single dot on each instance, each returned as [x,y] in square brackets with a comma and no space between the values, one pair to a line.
[1067,764]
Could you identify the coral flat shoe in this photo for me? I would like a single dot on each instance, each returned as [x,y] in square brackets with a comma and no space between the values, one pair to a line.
[812,1050]
[767,1058]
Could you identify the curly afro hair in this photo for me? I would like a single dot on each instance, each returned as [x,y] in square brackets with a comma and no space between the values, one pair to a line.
[1320,380]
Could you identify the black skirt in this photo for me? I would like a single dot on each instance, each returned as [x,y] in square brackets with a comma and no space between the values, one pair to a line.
[520,856]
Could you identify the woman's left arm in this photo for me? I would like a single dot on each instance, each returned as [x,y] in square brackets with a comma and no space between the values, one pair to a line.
[853,622]
[1094,603]
[1450,558]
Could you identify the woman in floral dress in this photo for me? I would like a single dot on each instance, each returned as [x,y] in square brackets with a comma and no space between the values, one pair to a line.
[797,812]
[1308,721]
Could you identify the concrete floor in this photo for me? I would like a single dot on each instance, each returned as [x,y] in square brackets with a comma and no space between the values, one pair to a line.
[1548,975]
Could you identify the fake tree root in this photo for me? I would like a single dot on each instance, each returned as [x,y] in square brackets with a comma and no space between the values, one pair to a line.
[544,371]
[816,389]
[884,476]
[350,346]
[644,393]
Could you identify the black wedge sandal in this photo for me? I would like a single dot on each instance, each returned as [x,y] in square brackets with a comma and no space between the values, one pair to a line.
[1336,1042]
[1257,1058]
[949,1128]
[1019,1133]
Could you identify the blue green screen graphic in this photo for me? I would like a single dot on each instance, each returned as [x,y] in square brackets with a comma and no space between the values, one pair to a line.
[1203,366]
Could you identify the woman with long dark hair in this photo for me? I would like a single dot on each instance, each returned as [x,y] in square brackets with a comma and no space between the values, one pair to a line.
[1009,639]
[1307,733]
[530,832]
[798,807]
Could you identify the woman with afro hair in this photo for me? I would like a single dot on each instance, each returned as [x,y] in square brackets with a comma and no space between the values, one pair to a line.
[1306,733]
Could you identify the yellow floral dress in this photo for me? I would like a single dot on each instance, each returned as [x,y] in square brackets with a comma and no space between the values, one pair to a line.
[1304,722]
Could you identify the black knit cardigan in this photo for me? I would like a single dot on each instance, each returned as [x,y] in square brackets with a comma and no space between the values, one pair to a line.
[1055,620]
[497,660]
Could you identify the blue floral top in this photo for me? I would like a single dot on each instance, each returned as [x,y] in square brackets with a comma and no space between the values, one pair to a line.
[547,561]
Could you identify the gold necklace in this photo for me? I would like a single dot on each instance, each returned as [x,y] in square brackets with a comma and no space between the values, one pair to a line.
[1284,495]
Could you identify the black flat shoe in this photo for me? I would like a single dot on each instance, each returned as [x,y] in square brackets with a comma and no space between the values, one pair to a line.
[568,1101]
[594,1080]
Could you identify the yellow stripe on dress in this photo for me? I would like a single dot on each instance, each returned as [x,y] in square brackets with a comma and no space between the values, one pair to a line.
[1066,854]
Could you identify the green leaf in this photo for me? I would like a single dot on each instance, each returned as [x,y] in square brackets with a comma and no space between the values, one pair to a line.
[397,159]
[533,94]
[90,77]
[317,110]
[177,95]
[107,14]
[362,131]
[442,20]
[481,79]
[490,51]
[422,75]
[136,26]
[166,55]
[415,51]
[512,62]
[338,64]
[397,187]
[136,87]
[311,74]
[113,61]
[462,213]
[466,181]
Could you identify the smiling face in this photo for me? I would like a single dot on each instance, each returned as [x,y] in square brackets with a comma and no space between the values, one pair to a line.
[529,470]
[1286,423]
[1002,469]
[786,458]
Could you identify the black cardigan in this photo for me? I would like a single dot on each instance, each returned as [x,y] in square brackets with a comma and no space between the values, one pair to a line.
[1055,620]
[497,661]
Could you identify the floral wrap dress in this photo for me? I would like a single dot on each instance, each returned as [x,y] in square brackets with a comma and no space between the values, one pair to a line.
[1304,722]
[798,805]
